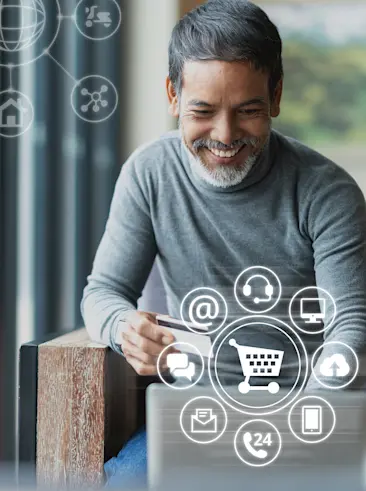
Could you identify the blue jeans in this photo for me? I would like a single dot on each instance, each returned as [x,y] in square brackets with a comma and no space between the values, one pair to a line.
[129,469]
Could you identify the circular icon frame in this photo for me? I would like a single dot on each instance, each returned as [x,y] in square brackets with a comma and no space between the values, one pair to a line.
[263,464]
[30,47]
[320,440]
[79,83]
[12,93]
[325,327]
[313,371]
[258,269]
[229,331]
[202,289]
[182,414]
[98,38]
[188,386]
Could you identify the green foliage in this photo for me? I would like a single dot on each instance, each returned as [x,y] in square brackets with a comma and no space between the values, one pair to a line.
[324,98]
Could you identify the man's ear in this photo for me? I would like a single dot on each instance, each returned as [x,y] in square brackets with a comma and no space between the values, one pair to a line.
[275,106]
[173,98]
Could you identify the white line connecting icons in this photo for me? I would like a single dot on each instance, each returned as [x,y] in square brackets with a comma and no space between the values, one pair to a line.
[28,31]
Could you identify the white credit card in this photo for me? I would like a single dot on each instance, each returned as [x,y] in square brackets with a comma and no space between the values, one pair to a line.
[182,334]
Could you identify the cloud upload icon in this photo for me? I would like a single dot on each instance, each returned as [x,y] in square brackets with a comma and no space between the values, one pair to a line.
[335,366]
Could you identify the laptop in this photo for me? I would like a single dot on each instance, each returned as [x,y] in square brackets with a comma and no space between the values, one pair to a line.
[176,461]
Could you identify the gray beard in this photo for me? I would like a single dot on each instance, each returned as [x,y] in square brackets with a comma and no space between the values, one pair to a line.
[222,176]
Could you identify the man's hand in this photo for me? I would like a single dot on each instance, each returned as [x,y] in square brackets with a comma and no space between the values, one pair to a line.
[143,340]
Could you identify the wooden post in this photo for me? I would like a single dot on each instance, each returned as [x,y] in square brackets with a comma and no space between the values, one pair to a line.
[87,407]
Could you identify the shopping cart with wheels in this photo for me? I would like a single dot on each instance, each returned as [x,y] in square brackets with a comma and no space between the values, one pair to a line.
[258,362]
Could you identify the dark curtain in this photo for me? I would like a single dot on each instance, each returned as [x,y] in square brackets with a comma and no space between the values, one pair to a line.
[74,165]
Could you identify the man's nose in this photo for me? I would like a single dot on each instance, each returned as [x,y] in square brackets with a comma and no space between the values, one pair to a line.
[226,130]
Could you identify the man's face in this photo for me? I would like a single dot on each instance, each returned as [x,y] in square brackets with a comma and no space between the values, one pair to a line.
[225,117]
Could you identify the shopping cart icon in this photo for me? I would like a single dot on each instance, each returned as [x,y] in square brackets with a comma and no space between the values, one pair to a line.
[258,362]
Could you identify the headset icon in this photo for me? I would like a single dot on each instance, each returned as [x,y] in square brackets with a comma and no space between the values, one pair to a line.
[247,289]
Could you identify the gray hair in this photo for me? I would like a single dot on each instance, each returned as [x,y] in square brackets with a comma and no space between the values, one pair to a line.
[226,30]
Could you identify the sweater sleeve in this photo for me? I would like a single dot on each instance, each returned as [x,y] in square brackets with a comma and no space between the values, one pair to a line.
[123,260]
[337,227]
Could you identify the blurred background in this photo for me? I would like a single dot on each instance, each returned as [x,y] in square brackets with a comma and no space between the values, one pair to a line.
[57,178]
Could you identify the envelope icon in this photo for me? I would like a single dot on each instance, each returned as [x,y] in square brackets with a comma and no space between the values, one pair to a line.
[203,421]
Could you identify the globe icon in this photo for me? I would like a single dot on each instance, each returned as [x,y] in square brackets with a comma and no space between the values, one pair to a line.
[21,23]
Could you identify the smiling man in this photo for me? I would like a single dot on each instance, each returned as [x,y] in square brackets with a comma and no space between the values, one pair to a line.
[223,193]
[224,115]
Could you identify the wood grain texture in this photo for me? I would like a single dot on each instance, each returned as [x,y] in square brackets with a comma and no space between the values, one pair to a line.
[87,407]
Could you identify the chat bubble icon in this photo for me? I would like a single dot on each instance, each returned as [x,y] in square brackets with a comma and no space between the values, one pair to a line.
[180,366]
[186,372]
[177,360]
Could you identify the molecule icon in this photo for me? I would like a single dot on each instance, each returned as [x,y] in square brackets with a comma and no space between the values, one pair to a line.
[95,98]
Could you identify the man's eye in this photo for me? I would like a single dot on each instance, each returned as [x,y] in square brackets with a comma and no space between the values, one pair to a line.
[203,112]
[249,111]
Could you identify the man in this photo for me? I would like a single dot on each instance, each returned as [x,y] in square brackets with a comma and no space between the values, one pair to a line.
[224,193]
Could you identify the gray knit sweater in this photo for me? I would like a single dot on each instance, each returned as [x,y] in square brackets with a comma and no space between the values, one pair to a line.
[296,212]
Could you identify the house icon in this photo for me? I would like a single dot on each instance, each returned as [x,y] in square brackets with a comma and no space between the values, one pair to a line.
[12,114]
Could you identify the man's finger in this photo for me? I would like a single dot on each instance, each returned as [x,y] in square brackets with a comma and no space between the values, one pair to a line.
[143,343]
[155,332]
[146,326]
[140,367]
[136,352]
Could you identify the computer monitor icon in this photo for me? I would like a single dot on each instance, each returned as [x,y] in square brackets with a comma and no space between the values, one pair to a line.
[309,310]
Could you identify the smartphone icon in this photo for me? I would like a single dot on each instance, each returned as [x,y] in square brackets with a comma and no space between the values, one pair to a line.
[312,420]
